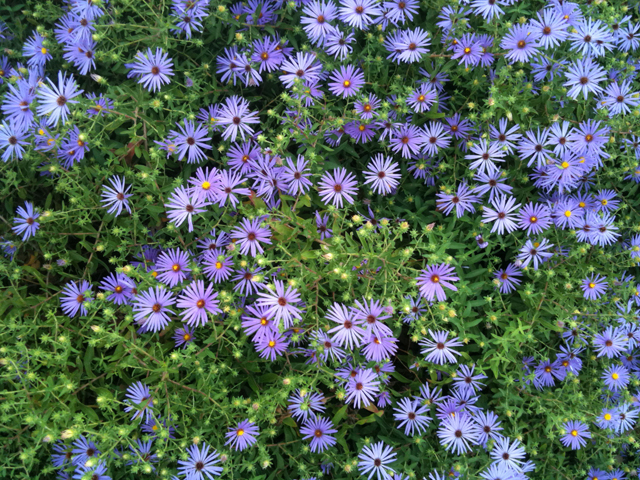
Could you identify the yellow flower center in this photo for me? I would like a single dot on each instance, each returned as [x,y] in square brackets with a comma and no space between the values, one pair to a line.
[582,204]
[604,201]
[176,268]
[607,416]
[567,213]
[565,164]
[41,132]
[346,83]
[186,337]
[206,185]
[154,428]
[218,265]
[574,433]
[615,376]
[272,343]
[536,244]
[592,285]
[361,128]
[43,50]
[467,50]
[421,98]
[240,432]
[533,219]
[154,274]
[263,321]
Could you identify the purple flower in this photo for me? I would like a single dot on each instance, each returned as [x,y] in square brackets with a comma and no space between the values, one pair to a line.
[296,175]
[379,348]
[347,332]
[338,186]
[361,388]
[610,343]
[272,345]
[248,281]
[458,433]
[200,463]
[53,100]
[150,309]
[534,219]
[522,43]
[493,183]
[535,252]
[382,174]
[316,18]
[616,377]
[434,138]
[183,337]
[359,13]
[303,67]
[249,235]
[173,266]
[321,223]
[151,69]
[408,139]
[370,315]
[422,98]
[226,190]
[243,435]
[281,303]
[25,223]
[347,81]
[439,349]
[468,49]
[375,459]
[12,139]
[139,401]
[84,450]
[508,454]
[236,116]
[465,380]
[508,278]
[37,53]
[414,45]
[319,430]
[122,287]
[489,426]
[16,105]
[484,155]
[217,266]
[594,287]
[74,297]
[462,201]
[583,76]
[431,281]
[258,324]
[115,196]
[503,206]
[198,301]
[412,416]
[304,406]
[576,434]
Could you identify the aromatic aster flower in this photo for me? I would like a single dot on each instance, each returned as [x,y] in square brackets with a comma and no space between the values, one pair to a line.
[412,416]
[296,176]
[217,266]
[338,186]
[139,400]
[616,377]
[414,45]
[462,201]
[200,463]
[37,53]
[359,13]
[25,223]
[339,43]
[115,197]
[465,380]
[508,454]
[550,27]
[319,430]
[503,208]
[508,278]
[54,100]
[375,459]
[347,333]
[484,155]
[408,139]
[272,345]
[236,116]
[226,190]
[489,426]
[249,235]
[610,343]
[468,49]
[533,147]
[439,349]
[281,303]
[150,309]
[74,296]
[248,281]
[458,433]
[183,337]
[321,223]
[576,434]
[316,18]
[243,435]
[197,302]
[522,43]
[434,138]
[346,82]
[16,105]
[173,266]
[619,98]
[594,287]
[534,219]
[401,10]
[535,252]
[422,98]
[488,9]
[84,450]
[431,281]
[379,348]
[361,388]
[303,67]
[583,76]
[151,69]
[382,173]
[12,140]
[123,288]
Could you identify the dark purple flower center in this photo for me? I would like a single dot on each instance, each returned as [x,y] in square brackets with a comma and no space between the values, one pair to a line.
[411,415]
[155,70]
[381,174]
[189,208]
[199,466]
[377,462]
[191,141]
[359,386]
[236,120]
[371,319]
[120,196]
[156,307]
[584,80]
[458,433]
[251,236]
[282,301]
[502,215]
[300,73]
[61,100]
[337,188]
[502,137]
[440,346]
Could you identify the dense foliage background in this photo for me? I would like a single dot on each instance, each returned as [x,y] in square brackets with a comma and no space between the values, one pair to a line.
[68,371]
